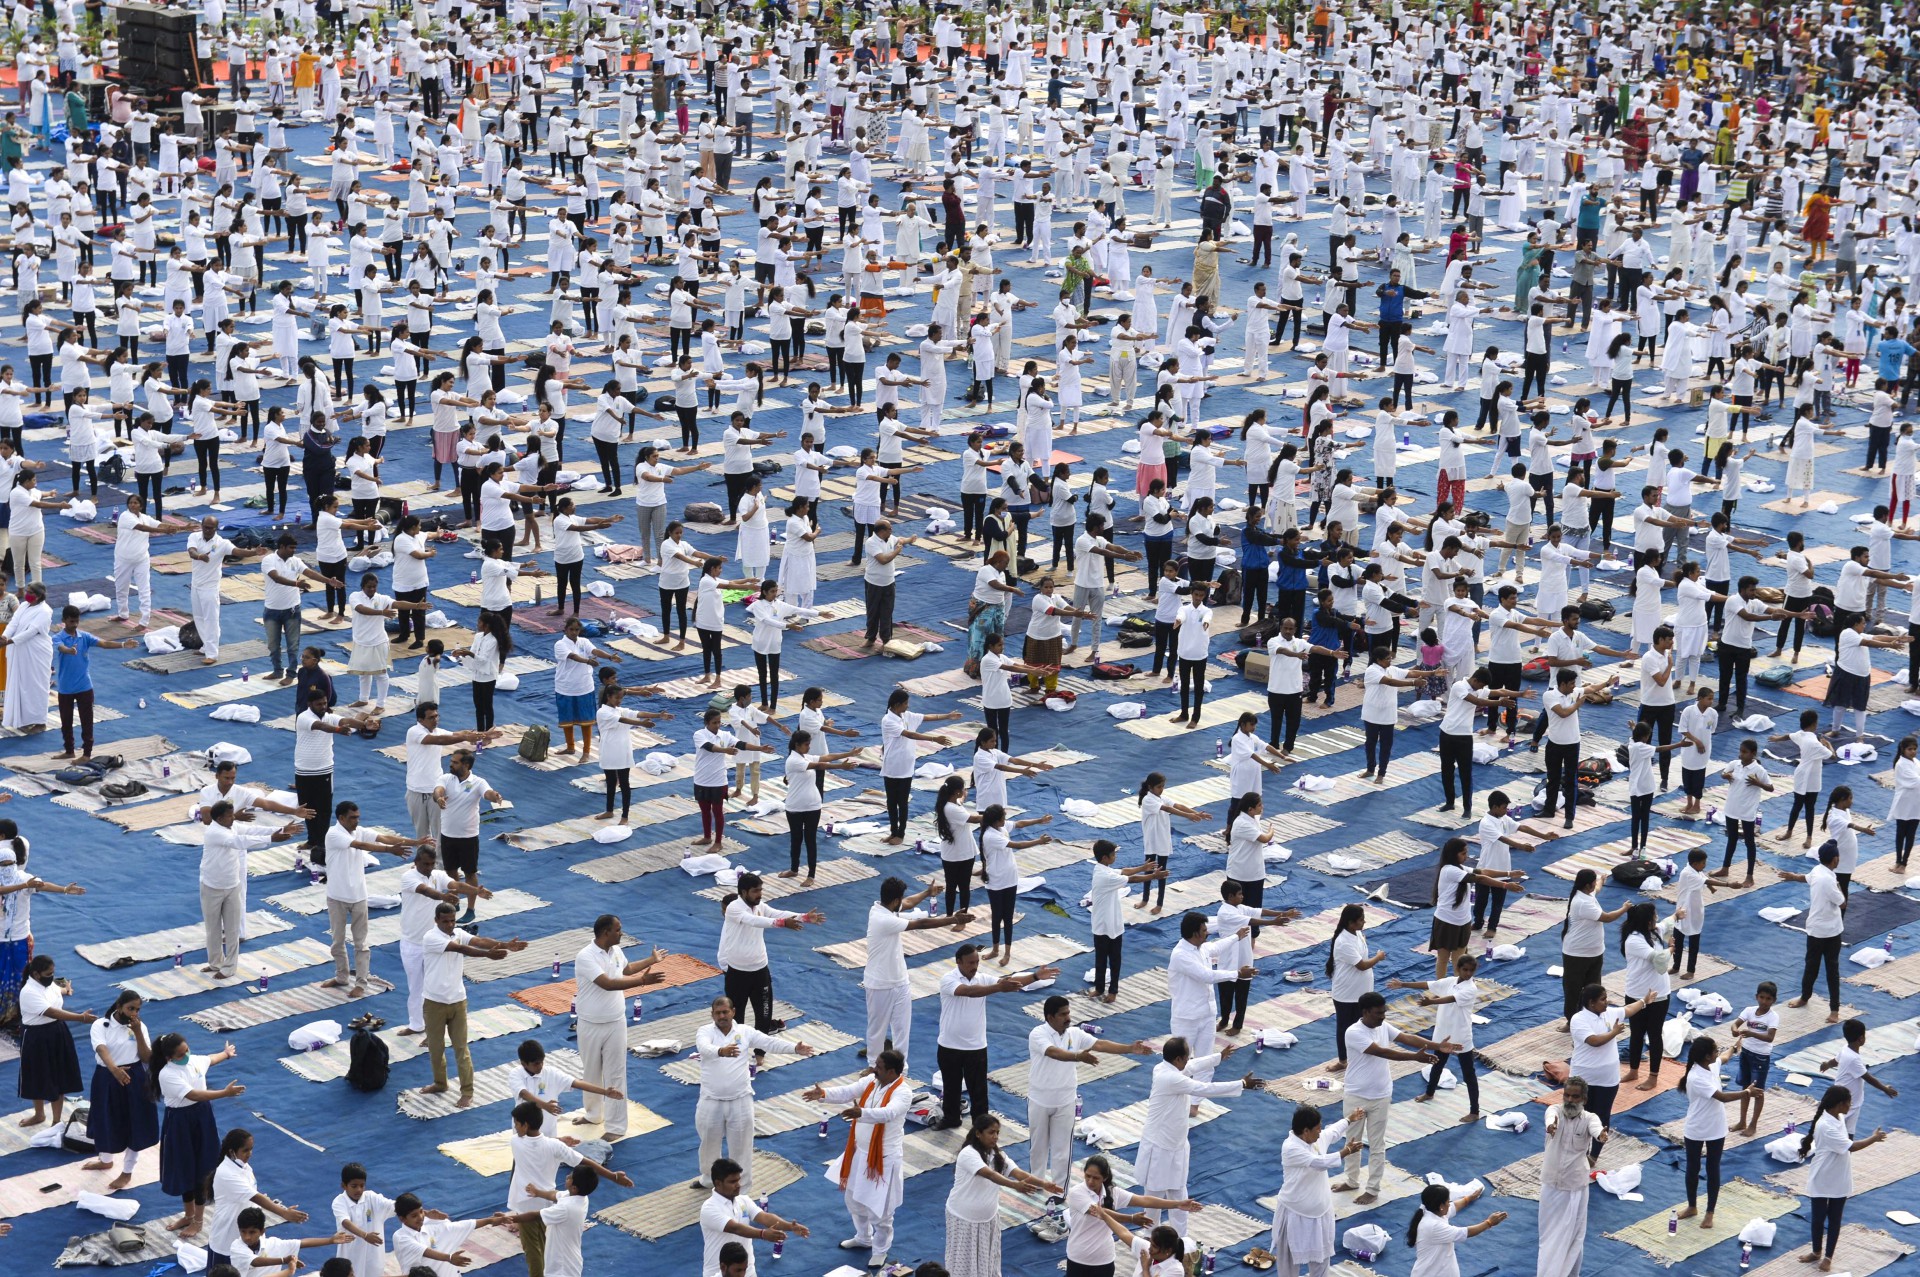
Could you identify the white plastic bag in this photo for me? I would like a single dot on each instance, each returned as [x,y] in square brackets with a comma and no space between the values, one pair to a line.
[121,1209]
[507,682]
[1759,1232]
[311,1037]
[1365,1242]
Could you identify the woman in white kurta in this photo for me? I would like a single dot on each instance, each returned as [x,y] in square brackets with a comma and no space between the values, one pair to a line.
[1571,1132]
[1303,1219]
[1830,1178]
[973,1204]
[1433,1234]
[29,643]
[799,575]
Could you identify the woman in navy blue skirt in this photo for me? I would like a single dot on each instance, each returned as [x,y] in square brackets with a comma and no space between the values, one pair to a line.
[49,1066]
[189,1141]
[122,1117]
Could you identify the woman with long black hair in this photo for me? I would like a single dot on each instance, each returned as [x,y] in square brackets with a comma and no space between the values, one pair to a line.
[1648,984]
[1453,883]
[973,1206]
[1583,940]
[1705,1130]
[49,1066]
[1830,1182]
[486,657]
[1001,874]
[958,847]
[804,772]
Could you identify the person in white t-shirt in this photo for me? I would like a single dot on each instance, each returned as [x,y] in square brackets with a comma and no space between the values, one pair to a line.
[347,892]
[1054,1048]
[1433,1234]
[1458,996]
[444,1004]
[973,1205]
[536,1158]
[1105,895]
[560,1224]
[889,1000]
[729,1211]
[458,794]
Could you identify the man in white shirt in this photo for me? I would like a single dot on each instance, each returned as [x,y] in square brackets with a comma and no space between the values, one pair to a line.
[1826,925]
[878,573]
[601,978]
[426,747]
[1193,1004]
[730,1212]
[743,948]
[962,1041]
[889,1000]
[313,732]
[899,728]
[727,1051]
[1748,784]
[458,794]
[1053,1050]
[223,887]
[561,1223]
[423,887]
[1371,1051]
[209,552]
[444,1001]
[284,576]
[1179,1084]
[347,892]
[872,1173]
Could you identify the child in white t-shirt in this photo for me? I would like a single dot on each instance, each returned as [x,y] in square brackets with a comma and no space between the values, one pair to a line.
[1754,1030]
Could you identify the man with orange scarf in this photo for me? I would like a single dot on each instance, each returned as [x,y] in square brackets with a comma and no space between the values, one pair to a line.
[871,1171]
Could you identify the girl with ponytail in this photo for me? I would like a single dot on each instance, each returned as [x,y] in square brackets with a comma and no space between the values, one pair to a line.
[1705,1132]
[1830,1182]
[1432,1233]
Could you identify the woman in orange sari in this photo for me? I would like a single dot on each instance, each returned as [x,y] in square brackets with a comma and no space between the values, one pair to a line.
[1818,227]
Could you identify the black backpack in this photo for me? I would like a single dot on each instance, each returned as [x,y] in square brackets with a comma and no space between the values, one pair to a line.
[1136,631]
[1631,873]
[367,1061]
[1226,590]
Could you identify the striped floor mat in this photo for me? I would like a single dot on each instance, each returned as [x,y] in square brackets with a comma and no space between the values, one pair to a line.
[674,970]
[155,945]
[944,683]
[1522,1053]
[1033,951]
[1403,771]
[306,999]
[490,1086]
[1122,1127]
[1407,1013]
[1740,1199]
[1395,1184]
[1216,712]
[1901,977]
[654,811]
[625,866]
[493,1154]
[1014,1077]
[654,1215]
[1675,843]
[47,1187]
[1373,853]
[928,1150]
[867,804]
[788,1111]
[1314,930]
[541,953]
[187,979]
[312,900]
[1885,1043]
[1885,1163]
[1202,893]
[822,1037]
[141,818]
[132,749]
[1305,1086]
[1498,1092]
[1709,968]
[1861,1251]
[1783,1105]
[1522,1178]
[830,873]
[1122,812]
[1523,916]
[329,1063]
[1137,989]
[1300,824]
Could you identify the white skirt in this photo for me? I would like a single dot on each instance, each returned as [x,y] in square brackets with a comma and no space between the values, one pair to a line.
[371,658]
[1301,1239]
[1689,641]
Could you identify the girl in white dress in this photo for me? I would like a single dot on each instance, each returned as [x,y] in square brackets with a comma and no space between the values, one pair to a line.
[798,571]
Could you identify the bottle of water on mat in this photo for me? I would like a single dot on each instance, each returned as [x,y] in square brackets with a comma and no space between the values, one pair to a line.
[1673,1222]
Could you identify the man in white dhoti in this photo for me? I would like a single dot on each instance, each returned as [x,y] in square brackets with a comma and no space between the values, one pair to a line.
[889,1001]
[1370,1054]
[1191,977]
[29,643]
[725,1112]
[1053,1084]
[1571,1133]
[602,977]
[872,1172]
[208,551]
[1177,1085]
[1303,1217]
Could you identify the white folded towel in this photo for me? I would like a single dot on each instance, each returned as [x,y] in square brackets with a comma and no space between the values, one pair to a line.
[236,713]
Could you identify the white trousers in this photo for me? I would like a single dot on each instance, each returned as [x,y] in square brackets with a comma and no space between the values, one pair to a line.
[603,1062]
[221,910]
[868,1228]
[730,1121]
[889,1015]
[413,961]
[1198,1032]
[206,619]
[1050,1140]
[135,577]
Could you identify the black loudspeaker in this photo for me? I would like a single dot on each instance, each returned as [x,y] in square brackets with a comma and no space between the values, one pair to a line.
[95,91]
[160,49]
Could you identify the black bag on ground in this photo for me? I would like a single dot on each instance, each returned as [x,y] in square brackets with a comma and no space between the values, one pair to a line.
[367,1061]
[190,637]
[1226,590]
[1596,610]
[1259,633]
[1136,631]
[1631,873]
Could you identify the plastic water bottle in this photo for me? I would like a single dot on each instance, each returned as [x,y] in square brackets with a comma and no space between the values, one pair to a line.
[556,968]
[1219,749]
[636,1010]
[265,981]
[1792,1128]
[1673,1222]
[143,702]
[1212,1256]
[1887,946]
[1406,438]
[1079,1108]
[1259,1044]
[1746,1254]
[166,771]
[823,1126]
[473,578]
[244,676]
[1489,954]
[179,956]
[299,860]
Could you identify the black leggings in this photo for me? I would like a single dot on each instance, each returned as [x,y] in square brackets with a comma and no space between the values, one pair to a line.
[1146,888]
[709,650]
[1825,1216]
[621,778]
[766,667]
[1576,973]
[413,620]
[959,884]
[669,600]
[336,595]
[1640,827]
[1822,951]
[1736,831]
[1345,1015]
[1467,1075]
[1000,902]
[1106,965]
[899,804]
[565,576]
[1903,836]
[482,705]
[1810,803]
[1193,680]
[1600,1103]
[1233,1004]
[608,451]
[752,989]
[1712,1149]
[206,456]
[1643,1029]
[1686,949]
[804,827]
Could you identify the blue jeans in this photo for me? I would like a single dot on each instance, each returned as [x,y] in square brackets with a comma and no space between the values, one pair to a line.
[283,621]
